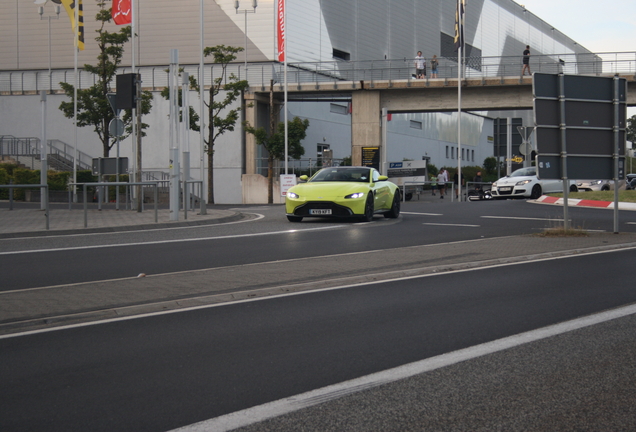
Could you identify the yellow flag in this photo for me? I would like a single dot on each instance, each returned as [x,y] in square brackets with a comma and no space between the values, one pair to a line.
[70,5]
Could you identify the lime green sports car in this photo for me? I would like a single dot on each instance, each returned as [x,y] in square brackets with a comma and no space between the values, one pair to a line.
[341,192]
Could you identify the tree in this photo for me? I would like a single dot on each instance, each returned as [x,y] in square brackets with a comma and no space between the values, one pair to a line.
[274,141]
[93,108]
[631,129]
[232,88]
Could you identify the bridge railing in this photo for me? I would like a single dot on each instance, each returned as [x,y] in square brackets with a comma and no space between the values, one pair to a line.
[260,74]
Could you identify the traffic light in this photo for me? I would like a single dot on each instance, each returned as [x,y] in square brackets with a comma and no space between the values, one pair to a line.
[126,91]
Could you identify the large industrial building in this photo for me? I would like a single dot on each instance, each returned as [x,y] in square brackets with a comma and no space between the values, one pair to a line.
[321,35]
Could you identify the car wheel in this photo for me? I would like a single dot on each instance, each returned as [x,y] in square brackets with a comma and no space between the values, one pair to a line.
[294,218]
[605,188]
[368,210]
[408,196]
[395,207]
[573,188]
[536,191]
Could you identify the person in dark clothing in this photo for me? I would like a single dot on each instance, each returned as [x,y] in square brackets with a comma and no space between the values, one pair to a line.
[526,61]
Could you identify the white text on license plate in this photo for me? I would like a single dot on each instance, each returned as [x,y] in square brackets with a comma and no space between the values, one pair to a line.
[505,189]
[320,211]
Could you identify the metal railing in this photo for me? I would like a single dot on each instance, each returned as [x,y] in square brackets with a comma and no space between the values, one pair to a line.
[260,74]
[61,152]
[85,187]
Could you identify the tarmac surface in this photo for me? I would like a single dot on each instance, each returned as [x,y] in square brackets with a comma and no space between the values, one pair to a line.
[473,393]
[53,306]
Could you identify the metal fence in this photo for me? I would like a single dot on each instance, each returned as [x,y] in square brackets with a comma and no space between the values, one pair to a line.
[259,74]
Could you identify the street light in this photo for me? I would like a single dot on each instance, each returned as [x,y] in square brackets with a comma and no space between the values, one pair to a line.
[57,16]
[246,11]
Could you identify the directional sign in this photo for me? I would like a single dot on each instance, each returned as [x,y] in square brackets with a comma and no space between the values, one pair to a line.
[580,125]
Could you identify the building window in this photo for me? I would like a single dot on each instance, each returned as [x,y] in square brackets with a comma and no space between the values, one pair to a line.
[446,152]
[342,55]
[416,124]
[472,152]
[339,109]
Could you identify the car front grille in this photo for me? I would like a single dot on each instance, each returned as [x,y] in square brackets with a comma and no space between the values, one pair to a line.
[336,210]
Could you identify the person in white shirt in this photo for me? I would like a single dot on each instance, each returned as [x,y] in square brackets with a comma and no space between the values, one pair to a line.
[442,179]
[420,66]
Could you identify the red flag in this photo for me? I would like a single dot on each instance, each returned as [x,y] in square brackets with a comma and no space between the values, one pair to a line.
[280,29]
[121,12]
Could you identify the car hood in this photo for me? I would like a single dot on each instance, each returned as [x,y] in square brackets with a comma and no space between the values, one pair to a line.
[511,181]
[327,190]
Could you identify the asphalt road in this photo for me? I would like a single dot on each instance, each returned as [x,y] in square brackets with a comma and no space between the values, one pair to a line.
[74,259]
[167,371]
[172,369]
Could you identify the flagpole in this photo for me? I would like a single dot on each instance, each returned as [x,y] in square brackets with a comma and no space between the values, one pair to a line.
[76,49]
[201,105]
[285,93]
[460,62]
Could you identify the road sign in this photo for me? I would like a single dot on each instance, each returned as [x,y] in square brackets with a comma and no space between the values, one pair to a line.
[116,127]
[580,125]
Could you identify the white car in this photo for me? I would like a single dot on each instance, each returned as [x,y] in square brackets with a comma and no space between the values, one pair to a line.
[523,183]
[597,185]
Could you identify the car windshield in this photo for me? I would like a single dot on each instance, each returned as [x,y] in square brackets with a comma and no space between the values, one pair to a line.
[524,172]
[342,175]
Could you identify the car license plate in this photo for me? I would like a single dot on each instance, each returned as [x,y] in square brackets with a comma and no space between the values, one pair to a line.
[320,211]
[505,189]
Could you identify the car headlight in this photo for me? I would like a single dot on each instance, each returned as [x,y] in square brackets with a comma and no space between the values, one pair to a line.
[355,195]
[523,182]
[292,195]
[494,184]
[597,182]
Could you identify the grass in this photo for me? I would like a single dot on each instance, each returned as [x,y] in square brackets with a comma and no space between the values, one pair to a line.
[623,195]
[562,232]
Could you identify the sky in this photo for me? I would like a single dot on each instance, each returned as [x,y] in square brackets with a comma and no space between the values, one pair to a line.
[598,25]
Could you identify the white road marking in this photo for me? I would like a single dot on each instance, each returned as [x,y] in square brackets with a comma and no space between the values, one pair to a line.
[423,214]
[455,225]
[169,241]
[258,217]
[522,218]
[294,403]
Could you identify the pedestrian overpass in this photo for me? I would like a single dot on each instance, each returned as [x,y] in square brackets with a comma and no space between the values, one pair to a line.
[371,91]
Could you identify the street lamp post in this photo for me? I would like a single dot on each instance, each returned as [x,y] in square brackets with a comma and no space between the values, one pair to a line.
[57,16]
[246,11]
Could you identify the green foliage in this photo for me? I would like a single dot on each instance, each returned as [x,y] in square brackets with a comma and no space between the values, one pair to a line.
[346,161]
[490,165]
[275,143]
[631,129]
[93,108]
[432,169]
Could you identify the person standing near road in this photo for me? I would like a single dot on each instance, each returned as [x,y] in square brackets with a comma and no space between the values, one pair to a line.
[442,179]
[420,66]
[526,61]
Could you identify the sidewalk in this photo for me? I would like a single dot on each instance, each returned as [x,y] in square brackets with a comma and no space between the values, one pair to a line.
[23,222]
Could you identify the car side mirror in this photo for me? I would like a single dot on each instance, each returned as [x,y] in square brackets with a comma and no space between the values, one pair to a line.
[303,178]
[382,178]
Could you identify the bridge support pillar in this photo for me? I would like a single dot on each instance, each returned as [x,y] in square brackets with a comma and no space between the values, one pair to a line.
[366,130]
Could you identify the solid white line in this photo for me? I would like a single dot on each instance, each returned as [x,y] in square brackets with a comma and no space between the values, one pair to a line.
[521,218]
[423,214]
[456,225]
[259,216]
[168,241]
[294,403]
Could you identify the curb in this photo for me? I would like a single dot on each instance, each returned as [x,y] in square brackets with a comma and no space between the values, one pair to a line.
[545,199]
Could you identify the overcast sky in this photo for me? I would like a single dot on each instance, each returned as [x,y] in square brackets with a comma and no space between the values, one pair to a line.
[598,25]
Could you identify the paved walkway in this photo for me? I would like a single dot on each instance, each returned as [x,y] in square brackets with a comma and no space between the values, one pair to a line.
[30,220]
